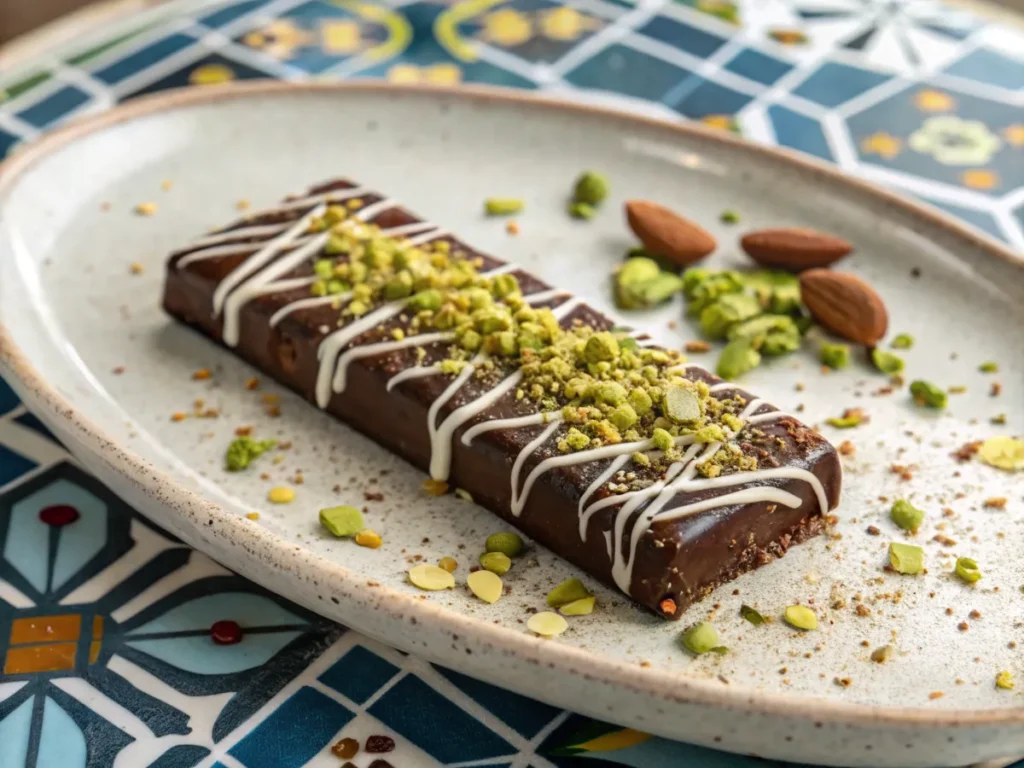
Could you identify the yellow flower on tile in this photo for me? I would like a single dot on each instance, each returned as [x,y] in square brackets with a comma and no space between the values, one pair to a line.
[609,742]
[1014,134]
[507,27]
[279,38]
[929,100]
[721,122]
[340,38]
[211,74]
[436,74]
[882,143]
[787,36]
[954,141]
[565,23]
[980,178]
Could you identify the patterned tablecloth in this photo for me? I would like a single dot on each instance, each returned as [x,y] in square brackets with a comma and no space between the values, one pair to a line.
[122,647]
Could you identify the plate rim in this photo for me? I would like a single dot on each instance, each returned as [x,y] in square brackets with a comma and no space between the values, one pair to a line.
[190,505]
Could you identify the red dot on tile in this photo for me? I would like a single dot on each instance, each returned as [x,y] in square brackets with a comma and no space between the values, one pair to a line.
[58,515]
[226,632]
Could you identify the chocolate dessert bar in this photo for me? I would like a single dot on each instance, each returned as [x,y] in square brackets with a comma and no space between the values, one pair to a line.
[651,474]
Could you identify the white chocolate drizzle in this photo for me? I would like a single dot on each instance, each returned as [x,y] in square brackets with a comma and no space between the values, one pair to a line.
[287,245]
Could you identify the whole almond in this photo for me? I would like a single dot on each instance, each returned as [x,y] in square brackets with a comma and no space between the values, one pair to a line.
[667,234]
[845,305]
[794,249]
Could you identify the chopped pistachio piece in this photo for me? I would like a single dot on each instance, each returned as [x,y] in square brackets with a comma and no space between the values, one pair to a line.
[967,569]
[718,317]
[906,515]
[582,607]
[927,394]
[738,357]
[431,578]
[503,206]
[601,347]
[682,403]
[886,362]
[243,450]
[729,217]
[567,592]
[771,335]
[547,624]
[700,638]
[1005,453]
[485,585]
[906,558]
[1004,680]
[448,563]
[281,494]
[344,521]
[801,617]
[640,283]
[369,539]
[508,543]
[835,356]
[846,421]
[989,367]
[497,562]
[591,188]
[883,654]
[902,341]
[752,615]
[583,211]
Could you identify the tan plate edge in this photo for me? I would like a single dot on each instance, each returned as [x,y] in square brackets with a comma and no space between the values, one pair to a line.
[402,607]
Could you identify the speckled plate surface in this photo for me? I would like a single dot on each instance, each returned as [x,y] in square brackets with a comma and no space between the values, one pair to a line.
[85,343]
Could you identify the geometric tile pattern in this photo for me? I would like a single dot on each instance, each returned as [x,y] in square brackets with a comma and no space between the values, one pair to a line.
[121,646]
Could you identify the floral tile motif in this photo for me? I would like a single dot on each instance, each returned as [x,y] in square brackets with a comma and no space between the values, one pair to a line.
[212,69]
[952,137]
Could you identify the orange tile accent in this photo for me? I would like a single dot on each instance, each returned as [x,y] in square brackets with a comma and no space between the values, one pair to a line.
[46,629]
[97,627]
[40,658]
[94,651]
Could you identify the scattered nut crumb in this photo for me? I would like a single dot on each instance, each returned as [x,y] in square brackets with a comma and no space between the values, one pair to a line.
[166,185]
[963,626]
[996,389]
[512,228]
[846,448]
[862,610]
[145,209]
[697,347]
[936,695]
[843,682]
[179,416]
[996,502]
[118,370]
[873,530]
[253,515]
[136,268]
[202,374]
[252,383]
[242,205]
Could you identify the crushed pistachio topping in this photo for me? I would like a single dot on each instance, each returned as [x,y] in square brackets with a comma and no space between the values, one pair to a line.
[243,450]
[569,591]
[640,283]
[701,638]
[906,515]
[887,362]
[906,558]
[800,617]
[835,356]
[729,217]
[485,585]
[902,341]
[989,367]
[1004,680]
[343,521]
[927,394]
[503,206]
[591,188]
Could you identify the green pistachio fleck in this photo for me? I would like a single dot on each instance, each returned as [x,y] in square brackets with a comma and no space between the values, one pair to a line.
[717,318]
[600,347]
[505,285]
[967,569]
[729,217]
[503,206]
[591,188]
[801,617]
[581,211]
[399,286]
[700,638]
[582,607]
[927,394]
[1004,680]
[886,362]
[495,562]
[906,515]
[323,268]
[343,521]
[906,558]
[989,367]
[429,299]
[576,440]
[771,335]
[738,357]
[508,543]
[751,615]
[682,403]
[902,341]
[640,283]
[610,393]
[567,592]
[242,450]
[835,356]
[623,417]
[662,439]
[778,292]
[852,417]
[640,401]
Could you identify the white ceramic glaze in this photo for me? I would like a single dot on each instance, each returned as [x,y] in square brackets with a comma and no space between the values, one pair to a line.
[72,312]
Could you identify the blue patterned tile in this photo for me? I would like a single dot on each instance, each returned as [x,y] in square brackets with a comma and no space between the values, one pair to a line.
[13,465]
[757,66]
[798,131]
[229,12]
[946,135]
[7,141]
[8,400]
[144,57]
[52,108]
[625,70]
[986,66]
[525,715]
[209,70]
[682,36]
[833,83]
[359,674]
[462,738]
[705,98]
[294,733]
[533,30]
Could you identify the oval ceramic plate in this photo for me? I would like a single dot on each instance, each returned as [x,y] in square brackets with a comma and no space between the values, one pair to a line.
[87,347]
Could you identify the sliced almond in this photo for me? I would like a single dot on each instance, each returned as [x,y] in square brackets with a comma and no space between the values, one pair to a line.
[667,234]
[794,249]
[845,305]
